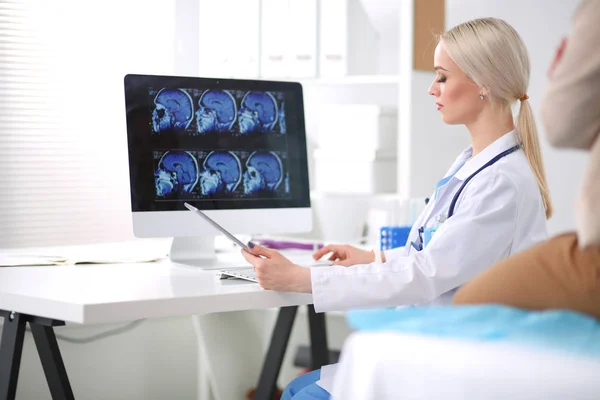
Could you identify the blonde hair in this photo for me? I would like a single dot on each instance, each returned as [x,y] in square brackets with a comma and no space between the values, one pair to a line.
[493,55]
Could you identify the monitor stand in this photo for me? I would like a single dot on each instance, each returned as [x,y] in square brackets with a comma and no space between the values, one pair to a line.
[198,252]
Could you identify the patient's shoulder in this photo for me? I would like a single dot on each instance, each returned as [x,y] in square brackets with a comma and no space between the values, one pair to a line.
[553,274]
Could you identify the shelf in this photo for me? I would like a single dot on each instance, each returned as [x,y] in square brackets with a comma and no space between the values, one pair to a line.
[342,80]
[354,80]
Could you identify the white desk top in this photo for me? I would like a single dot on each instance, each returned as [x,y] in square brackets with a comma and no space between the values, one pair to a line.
[89,294]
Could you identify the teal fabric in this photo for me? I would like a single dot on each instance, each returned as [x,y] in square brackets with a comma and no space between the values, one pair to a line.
[554,329]
[445,180]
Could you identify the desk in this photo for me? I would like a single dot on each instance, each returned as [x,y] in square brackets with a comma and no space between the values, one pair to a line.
[46,297]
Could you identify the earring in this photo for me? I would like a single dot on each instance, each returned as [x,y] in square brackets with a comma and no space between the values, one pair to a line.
[480,97]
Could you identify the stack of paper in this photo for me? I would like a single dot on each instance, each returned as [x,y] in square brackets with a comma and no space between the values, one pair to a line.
[20,260]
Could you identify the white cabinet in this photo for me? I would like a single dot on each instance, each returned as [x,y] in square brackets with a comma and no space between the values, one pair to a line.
[288,38]
[356,149]
[321,38]
[333,38]
[349,42]
[303,38]
[228,38]
[342,51]
[295,39]
[274,31]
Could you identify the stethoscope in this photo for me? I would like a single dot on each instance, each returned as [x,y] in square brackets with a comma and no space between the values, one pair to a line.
[419,246]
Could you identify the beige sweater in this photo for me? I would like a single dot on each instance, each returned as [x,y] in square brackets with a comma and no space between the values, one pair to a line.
[571,112]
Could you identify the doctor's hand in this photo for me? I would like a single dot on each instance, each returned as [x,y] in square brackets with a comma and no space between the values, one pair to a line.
[345,255]
[275,272]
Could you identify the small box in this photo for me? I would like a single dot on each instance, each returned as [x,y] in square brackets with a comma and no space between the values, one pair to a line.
[392,237]
[363,127]
[358,172]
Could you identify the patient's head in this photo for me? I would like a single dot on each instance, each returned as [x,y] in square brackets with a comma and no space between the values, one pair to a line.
[482,69]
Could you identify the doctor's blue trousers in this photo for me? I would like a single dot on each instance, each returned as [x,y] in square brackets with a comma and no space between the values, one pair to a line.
[305,387]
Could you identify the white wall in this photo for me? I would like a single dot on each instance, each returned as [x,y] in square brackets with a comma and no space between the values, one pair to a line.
[65,170]
[434,145]
[156,360]
[541,24]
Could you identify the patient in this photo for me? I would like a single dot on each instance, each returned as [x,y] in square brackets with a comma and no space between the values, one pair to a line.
[563,272]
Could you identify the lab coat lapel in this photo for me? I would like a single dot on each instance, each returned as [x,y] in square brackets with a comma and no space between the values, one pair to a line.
[437,202]
[441,202]
[501,144]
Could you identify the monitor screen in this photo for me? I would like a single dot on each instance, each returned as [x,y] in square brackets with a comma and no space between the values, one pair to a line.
[219,144]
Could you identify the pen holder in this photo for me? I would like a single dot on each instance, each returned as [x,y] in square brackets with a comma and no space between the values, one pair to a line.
[393,236]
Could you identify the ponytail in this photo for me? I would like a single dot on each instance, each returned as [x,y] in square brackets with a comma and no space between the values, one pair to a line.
[528,138]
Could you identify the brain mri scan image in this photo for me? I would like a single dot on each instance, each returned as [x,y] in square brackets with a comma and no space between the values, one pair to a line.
[222,173]
[282,126]
[173,109]
[258,113]
[217,111]
[220,143]
[176,174]
[264,173]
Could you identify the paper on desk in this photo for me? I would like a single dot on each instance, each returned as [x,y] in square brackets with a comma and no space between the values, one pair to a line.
[17,260]
[120,260]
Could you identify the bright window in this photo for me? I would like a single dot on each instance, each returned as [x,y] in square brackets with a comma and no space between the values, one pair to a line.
[63,144]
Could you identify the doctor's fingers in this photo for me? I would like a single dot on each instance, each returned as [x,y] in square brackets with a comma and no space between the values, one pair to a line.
[344,263]
[334,257]
[253,259]
[330,248]
[258,250]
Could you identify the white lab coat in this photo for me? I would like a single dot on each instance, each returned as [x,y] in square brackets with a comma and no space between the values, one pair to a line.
[499,212]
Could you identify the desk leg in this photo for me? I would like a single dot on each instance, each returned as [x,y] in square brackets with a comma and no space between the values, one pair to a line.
[11,348]
[52,362]
[318,338]
[267,383]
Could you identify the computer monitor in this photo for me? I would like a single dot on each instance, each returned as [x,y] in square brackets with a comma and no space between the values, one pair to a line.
[233,148]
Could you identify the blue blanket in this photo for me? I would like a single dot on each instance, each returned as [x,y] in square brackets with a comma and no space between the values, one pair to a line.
[555,329]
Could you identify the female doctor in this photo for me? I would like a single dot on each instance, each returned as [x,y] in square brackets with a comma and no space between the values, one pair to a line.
[492,202]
